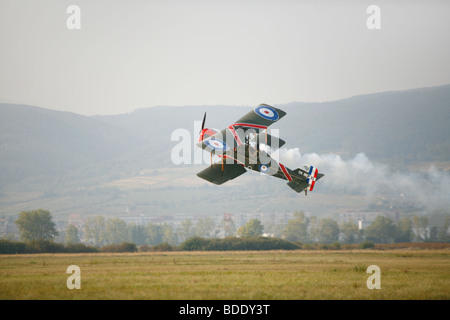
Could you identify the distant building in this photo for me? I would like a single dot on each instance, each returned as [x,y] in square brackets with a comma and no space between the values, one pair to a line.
[364,218]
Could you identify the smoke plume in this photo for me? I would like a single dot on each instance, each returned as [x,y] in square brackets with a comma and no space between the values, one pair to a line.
[359,175]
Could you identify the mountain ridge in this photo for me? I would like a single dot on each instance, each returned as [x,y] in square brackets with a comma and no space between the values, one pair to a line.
[55,155]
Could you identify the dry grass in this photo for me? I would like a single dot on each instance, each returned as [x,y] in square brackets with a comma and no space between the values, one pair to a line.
[405,274]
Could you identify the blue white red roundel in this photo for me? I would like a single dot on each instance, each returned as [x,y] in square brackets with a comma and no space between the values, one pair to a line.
[264,168]
[267,112]
[216,144]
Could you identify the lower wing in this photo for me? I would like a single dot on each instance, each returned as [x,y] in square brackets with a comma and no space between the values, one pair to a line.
[220,173]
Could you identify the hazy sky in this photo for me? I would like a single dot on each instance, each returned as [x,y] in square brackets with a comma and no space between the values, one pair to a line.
[133,54]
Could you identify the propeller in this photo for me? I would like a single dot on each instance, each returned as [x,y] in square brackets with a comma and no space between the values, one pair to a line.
[203,122]
[203,126]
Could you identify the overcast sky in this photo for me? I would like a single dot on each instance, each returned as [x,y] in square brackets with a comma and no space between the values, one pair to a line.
[133,54]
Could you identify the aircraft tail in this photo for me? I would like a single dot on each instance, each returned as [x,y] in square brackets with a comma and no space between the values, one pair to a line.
[312,177]
[304,180]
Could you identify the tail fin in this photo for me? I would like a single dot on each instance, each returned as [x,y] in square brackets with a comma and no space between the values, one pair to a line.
[312,177]
[305,179]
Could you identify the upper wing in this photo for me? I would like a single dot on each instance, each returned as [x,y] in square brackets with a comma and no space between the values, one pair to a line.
[254,121]
[259,118]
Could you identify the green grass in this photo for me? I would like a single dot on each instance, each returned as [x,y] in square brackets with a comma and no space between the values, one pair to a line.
[405,274]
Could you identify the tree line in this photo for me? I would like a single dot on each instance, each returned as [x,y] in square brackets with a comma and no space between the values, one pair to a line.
[38,232]
[382,230]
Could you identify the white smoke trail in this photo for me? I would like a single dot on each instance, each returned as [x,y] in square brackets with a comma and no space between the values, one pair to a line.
[360,175]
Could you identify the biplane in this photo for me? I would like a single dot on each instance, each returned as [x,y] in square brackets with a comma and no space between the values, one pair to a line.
[245,145]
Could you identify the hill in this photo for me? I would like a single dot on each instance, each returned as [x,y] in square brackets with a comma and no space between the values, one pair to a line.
[36,142]
[405,126]
[115,164]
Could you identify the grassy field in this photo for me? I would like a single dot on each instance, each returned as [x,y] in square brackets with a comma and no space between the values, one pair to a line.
[405,274]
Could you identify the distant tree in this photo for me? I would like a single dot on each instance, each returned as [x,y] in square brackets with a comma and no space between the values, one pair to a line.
[137,234]
[381,230]
[367,245]
[274,229]
[228,226]
[186,230]
[328,230]
[434,231]
[420,225]
[94,230]
[36,225]
[314,228]
[204,227]
[253,228]
[404,232]
[155,234]
[442,234]
[72,235]
[116,231]
[119,247]
[297,228]
[169,236]
[194,244]
[350,231]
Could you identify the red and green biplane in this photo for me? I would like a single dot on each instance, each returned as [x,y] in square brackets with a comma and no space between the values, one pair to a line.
[244,145]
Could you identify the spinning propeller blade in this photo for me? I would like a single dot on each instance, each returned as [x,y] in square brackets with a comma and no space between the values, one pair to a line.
[203,122]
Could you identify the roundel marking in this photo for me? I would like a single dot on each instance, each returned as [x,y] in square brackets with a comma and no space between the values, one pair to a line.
[216,144]
[264,168]
[267,112]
